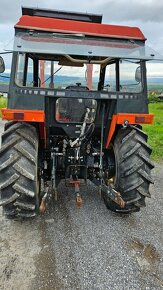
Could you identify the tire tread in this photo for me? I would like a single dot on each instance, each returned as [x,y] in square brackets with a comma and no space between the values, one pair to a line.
[18,178]
[133,169]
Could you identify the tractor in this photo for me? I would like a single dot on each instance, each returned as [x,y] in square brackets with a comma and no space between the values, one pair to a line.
[77,102]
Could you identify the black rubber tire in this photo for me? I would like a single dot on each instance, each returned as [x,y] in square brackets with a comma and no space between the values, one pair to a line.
[19,170]
[133,169]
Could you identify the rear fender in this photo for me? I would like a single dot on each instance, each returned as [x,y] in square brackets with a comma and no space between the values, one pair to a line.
[123,119]
[29,116]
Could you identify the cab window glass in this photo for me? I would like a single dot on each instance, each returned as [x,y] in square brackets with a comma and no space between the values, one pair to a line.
[73,110]
[128,82]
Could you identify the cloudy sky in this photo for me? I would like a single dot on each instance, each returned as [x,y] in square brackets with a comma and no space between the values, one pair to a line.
[147,15]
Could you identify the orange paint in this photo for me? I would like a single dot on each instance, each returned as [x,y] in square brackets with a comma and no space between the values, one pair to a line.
[29,115]
[131,118]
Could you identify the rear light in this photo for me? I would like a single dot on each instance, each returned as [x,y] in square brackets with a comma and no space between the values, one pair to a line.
[146,119]
[134,118]
[9,115]
[27,115]
[139,119]
[18,116]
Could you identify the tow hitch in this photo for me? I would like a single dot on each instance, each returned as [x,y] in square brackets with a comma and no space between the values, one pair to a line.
[79,201]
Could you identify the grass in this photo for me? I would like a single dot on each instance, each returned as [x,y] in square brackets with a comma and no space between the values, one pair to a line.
[155,131]
[3,103]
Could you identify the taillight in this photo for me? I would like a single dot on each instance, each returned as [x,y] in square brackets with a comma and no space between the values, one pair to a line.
[18,116]
[147,119]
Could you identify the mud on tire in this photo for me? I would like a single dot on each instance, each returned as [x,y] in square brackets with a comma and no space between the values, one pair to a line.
[133,169]
[18,170]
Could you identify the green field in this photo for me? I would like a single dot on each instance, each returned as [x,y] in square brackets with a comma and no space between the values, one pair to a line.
[3,103]
[155,131]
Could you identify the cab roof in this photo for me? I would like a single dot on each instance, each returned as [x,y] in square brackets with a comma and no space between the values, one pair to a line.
[74,23]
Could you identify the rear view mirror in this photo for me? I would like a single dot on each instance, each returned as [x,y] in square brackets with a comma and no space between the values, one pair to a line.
[2,65]
[138,74]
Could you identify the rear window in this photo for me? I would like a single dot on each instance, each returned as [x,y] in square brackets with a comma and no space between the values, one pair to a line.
[73,110]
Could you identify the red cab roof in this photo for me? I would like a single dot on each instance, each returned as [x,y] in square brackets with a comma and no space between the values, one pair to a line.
[70,26]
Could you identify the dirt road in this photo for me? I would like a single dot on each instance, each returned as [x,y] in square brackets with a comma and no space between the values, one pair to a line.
[88,249]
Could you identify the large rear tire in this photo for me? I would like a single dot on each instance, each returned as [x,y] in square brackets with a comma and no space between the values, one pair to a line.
[132,169]
[19,170]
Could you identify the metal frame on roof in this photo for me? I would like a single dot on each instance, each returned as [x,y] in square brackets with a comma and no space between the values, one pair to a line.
[68,15]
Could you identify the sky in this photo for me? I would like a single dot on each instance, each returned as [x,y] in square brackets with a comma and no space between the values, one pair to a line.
[147,15]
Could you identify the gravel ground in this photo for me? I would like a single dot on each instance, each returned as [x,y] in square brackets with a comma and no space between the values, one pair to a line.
[89,248]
